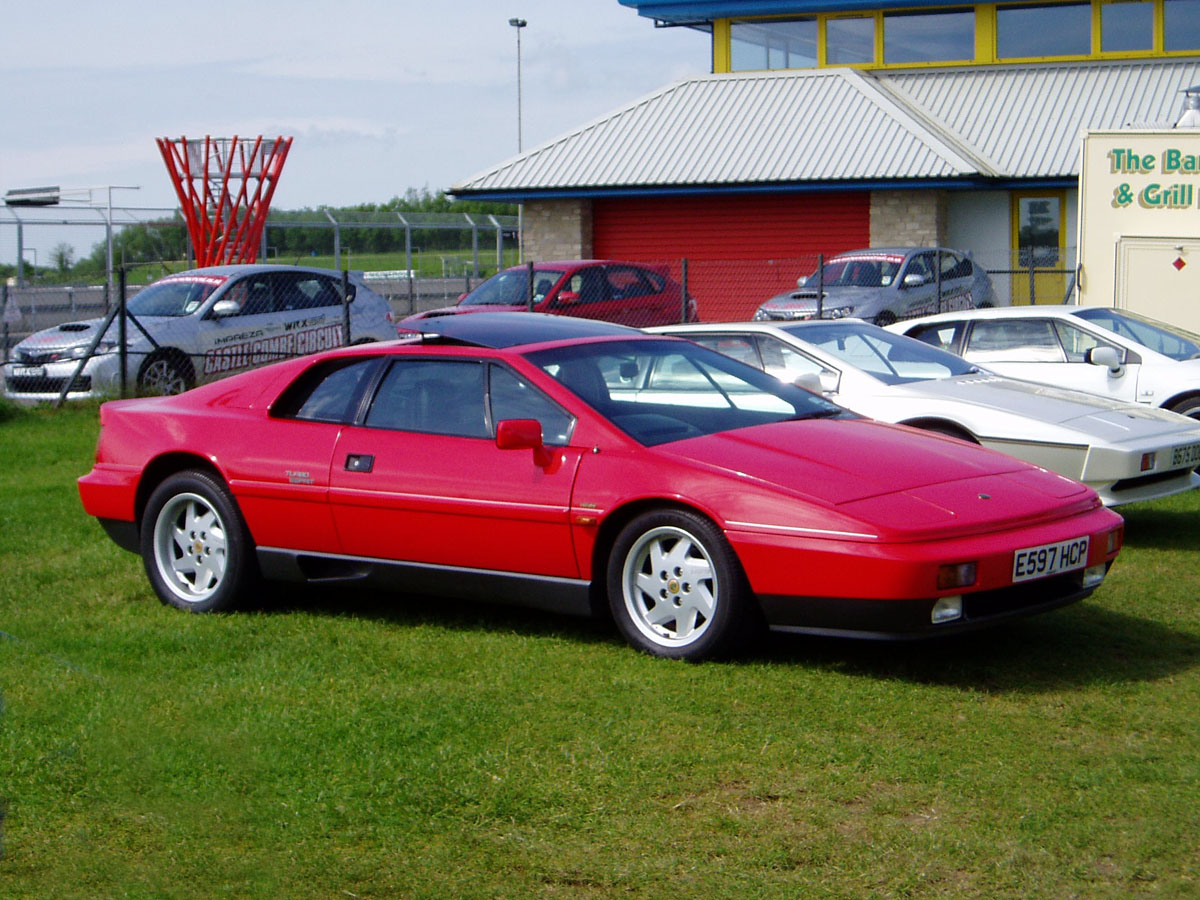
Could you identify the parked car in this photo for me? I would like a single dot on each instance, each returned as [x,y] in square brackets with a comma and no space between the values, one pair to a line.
[885,284]
[1123,451]
[197,326]
[629,293]
[1106,351]
[522,458]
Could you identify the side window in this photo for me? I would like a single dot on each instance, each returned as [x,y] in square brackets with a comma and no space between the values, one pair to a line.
[432,396]
[944,336]
[1078,342]
[308,292]
[259,293]
[741,348]
[785,362]
[328,393]
[512,397]
[921,264]
[626,281]
[955,266]
[590,284]
[1013,340]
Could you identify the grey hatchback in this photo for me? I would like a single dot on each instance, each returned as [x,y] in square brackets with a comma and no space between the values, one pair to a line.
[884,285]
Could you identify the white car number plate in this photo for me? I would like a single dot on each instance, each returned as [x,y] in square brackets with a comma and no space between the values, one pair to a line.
[1050,559]
[1186,456]
[28,371]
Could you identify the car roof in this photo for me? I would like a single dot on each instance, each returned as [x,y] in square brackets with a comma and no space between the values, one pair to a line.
[501,330]
[253,268]
[1000,312]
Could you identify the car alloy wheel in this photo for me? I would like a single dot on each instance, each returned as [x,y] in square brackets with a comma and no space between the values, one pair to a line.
[163,375]
[676,588]
[194,545]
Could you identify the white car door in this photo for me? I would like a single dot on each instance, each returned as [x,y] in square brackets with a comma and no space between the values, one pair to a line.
[1050,351]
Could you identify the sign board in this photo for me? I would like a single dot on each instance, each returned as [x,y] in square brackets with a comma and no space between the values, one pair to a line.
[1139,223]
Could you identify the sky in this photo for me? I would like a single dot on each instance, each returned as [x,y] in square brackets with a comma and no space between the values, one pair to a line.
[379,96]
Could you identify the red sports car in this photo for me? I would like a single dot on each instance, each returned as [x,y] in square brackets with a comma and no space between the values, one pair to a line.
[637,294]
[578,466]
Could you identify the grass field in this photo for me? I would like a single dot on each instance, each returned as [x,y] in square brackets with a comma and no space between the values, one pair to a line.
[339,744]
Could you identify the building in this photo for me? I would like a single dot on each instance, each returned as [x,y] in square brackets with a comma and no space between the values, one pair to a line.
[833,124]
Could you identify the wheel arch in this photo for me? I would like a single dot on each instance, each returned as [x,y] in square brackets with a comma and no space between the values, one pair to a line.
[163,467]
[1181,397]
[611,527]
[941,426]
[182,357]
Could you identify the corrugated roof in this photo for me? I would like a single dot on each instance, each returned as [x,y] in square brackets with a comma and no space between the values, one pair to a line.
[845,125]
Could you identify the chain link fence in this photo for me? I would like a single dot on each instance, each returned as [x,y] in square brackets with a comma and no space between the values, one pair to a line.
[306,311]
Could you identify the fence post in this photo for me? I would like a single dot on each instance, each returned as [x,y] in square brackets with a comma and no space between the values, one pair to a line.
[938,277]
[122,328]
[683,280]
[1032,281]
[529,285]
[820,285]
[346,307]
[4,310]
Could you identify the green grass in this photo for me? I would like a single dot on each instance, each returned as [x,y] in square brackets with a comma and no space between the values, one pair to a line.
[339,744]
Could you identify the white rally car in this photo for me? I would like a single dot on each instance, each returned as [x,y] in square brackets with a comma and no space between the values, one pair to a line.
[1124,451]
[197,326]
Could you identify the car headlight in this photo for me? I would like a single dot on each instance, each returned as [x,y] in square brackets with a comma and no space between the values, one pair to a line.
[837,312]
[760,314]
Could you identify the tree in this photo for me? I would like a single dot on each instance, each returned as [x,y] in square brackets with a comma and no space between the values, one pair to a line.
[62,257]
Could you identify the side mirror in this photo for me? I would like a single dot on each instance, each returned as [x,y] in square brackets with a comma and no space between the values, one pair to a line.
[568,298]
[913,280]
[222,309]
[523,434]
[1105,356]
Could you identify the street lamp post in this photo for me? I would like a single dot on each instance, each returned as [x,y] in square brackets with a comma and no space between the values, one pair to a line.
[518,24]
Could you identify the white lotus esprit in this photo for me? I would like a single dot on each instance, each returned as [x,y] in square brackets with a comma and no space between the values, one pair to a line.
[1124,451]
[198,326]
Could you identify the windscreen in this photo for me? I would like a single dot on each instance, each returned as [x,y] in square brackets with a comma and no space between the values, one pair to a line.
[661,391]
[1158,336]
[174,296]
[511,288]
[892,358]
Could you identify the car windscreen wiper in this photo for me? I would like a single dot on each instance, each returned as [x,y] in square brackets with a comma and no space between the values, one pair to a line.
[817,414]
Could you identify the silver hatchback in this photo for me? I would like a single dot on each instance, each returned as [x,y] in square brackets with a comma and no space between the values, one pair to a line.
[197,326]
[884,285]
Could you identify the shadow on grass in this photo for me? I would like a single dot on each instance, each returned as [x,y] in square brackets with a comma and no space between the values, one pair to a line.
[1073,647]
[1160,529]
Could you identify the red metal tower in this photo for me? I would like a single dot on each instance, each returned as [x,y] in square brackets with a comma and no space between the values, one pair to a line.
[224,187]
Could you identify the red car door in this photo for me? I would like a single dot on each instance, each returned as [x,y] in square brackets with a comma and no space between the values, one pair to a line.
[422,480]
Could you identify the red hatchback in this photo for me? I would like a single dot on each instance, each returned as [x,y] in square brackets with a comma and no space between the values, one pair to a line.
[637,294]
[585,467]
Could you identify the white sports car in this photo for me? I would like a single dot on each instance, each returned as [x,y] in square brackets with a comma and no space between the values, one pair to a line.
[1098,349]
[1124,451]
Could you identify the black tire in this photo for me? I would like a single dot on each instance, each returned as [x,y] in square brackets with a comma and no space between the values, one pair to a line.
[887,317]
[1189,406]
[165,372]
[195,545]
[666,561]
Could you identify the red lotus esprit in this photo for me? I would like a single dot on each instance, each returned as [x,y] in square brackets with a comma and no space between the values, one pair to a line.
[577,466]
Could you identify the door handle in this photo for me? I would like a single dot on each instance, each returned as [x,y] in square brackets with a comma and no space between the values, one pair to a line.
[359,462]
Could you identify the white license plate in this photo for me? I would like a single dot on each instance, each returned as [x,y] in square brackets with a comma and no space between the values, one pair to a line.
[28,371]
[1050,559]
[1186,456]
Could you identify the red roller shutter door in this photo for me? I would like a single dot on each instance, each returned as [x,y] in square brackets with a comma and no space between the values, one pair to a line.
[740,250]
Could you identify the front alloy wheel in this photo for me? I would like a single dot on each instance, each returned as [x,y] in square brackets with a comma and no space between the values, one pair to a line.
[163,375]
[676,588]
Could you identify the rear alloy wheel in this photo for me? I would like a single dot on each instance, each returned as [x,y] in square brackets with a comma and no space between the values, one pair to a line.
[195,547]
[675,587]
[165,373]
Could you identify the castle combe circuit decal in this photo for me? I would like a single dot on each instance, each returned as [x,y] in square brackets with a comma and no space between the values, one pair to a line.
[253,348]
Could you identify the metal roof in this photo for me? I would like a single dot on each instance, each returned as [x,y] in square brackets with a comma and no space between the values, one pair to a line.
[978,125]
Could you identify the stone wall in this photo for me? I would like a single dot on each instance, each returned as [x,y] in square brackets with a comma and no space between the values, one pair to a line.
[558,229]
[908,218]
